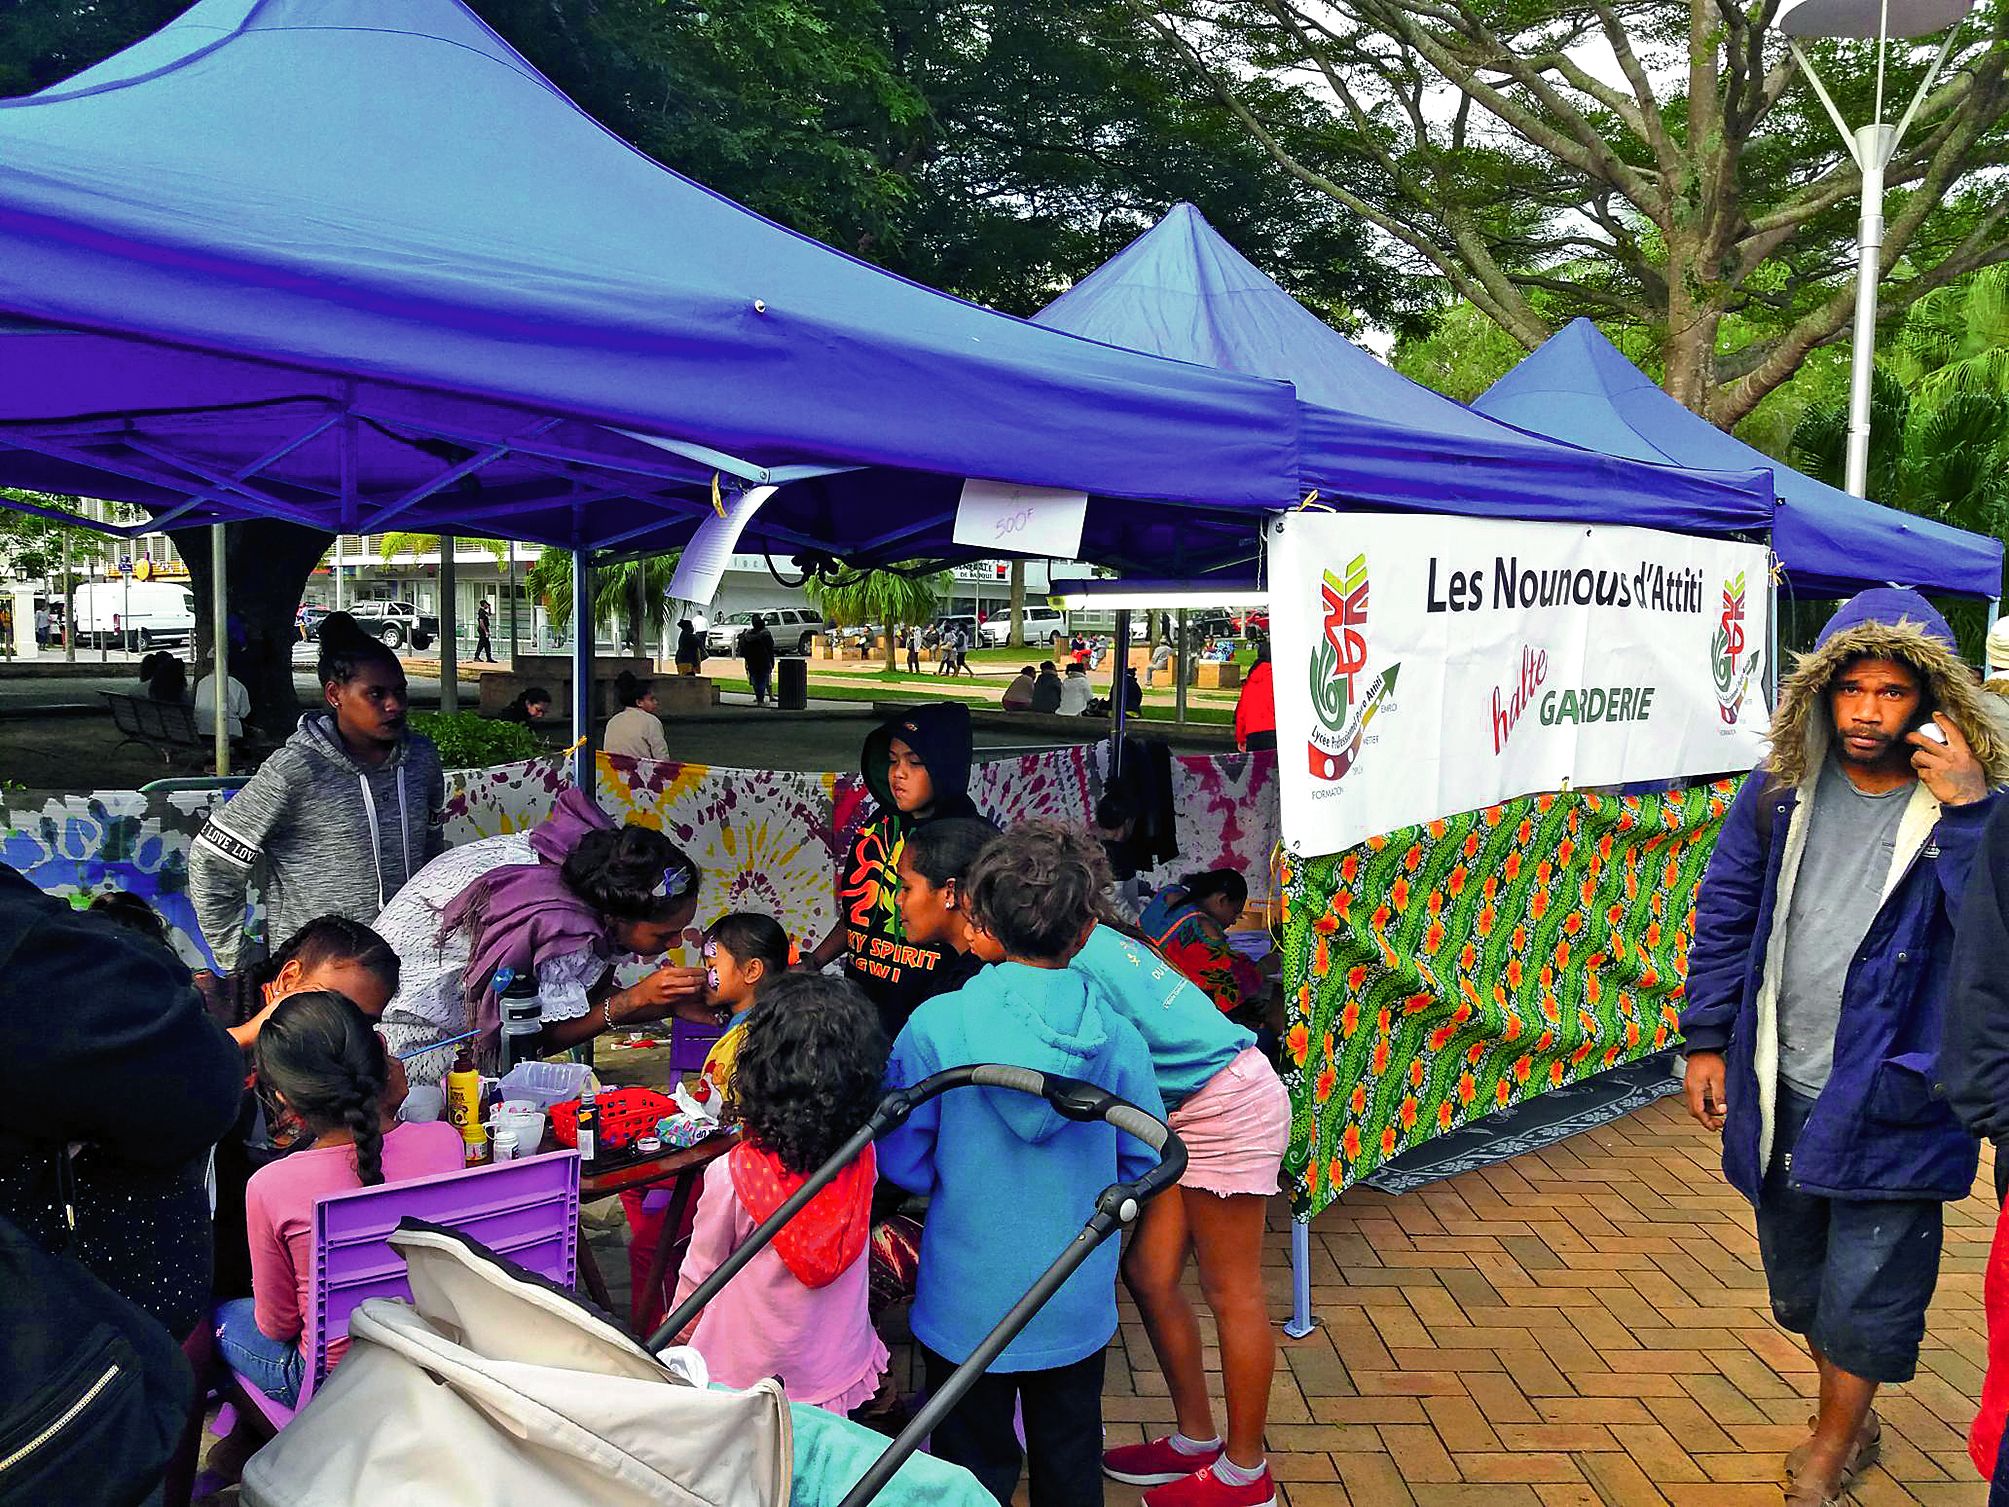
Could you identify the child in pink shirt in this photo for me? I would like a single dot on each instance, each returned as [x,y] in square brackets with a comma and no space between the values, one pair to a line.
[318,1057]
[806,1078]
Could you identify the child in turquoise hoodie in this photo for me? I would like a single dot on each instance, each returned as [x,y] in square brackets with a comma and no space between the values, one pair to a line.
[1010,1182]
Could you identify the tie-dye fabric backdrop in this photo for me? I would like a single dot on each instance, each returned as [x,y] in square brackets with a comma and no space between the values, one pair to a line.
[766,840]
[1445,971]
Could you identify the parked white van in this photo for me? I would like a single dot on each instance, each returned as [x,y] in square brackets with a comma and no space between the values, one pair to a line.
[1043,625]
[135,614]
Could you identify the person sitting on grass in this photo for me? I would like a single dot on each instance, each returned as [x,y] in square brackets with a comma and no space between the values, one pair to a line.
[1046,690]
[1075,691]
[1010,1181]
[1018,695]
[806,1078]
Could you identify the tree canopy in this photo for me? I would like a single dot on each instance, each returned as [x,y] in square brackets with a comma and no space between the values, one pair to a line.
[1659,163]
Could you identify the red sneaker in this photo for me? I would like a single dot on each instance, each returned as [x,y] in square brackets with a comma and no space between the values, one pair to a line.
[1155,1463]
[1203,1489]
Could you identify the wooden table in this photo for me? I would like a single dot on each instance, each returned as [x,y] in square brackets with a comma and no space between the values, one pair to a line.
[682,1168]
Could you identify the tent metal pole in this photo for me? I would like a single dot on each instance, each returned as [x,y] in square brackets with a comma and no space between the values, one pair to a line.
[1994,612]
[1301,1322]
[1119,703]
[219,640]
[1772,641]
[512,604]
[1179,669]
[449,626]
[582,667]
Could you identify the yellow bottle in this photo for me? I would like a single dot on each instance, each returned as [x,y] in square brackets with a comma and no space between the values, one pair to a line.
[463,1107]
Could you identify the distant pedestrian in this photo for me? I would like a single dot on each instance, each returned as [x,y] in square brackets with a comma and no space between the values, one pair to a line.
[690,648]
[1817,998]
[1161,662]
[756,647]
[484,618]
[913,651]
[1256,710]
[962,658]
[42,621]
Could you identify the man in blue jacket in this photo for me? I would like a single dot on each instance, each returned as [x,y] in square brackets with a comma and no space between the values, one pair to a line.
[1817,987]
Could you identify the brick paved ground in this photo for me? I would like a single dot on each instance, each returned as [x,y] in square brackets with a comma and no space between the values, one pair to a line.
[1585,1325]
[1580,1327]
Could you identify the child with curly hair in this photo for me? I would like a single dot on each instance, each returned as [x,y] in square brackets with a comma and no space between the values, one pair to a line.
[807,1077]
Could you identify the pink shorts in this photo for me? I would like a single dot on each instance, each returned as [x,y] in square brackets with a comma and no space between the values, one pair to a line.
[1235,1129]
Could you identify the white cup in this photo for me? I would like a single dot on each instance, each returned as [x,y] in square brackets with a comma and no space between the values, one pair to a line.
[525,1119]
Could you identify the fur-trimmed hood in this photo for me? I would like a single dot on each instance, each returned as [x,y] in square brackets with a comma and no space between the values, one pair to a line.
[1886,623]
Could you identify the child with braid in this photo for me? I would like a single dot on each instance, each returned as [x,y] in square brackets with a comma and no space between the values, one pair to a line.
[318,1057]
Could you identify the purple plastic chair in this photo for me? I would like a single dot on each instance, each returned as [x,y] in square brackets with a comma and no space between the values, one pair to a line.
[526,1211]
[690,1044]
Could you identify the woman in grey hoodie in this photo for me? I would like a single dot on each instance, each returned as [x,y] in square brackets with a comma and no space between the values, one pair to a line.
[338,819]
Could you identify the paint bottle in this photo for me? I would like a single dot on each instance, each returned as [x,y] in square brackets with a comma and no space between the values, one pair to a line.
[589,1127]
[463,1107]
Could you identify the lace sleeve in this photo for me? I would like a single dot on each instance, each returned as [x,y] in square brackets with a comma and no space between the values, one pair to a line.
[564,982]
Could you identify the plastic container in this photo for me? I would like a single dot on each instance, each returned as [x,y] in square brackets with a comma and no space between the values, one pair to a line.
[544,1083]
[625,1115]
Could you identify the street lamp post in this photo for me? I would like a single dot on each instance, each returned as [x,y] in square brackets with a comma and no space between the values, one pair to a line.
[1871,147]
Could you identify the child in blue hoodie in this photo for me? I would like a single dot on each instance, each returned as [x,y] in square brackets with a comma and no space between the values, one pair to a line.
[1011,1182]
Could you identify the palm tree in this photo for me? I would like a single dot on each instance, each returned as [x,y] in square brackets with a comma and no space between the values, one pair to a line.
[1939,447]
[902,596]
[1956,338]
[637,591]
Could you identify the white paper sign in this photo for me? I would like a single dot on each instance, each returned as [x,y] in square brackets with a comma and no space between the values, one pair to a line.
[1429,665]
[704,560]
[1004,518]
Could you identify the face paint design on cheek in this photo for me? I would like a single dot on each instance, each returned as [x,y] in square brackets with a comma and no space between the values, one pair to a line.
[711,966]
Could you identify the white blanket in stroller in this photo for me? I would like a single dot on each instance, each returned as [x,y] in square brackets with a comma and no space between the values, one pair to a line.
[494,1388]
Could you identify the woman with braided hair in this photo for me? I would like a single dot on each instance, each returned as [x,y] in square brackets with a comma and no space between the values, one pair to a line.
[318,1058]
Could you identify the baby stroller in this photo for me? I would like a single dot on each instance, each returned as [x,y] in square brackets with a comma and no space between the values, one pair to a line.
[496,1388]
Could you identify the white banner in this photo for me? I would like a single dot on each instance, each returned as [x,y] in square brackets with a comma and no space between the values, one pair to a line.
[1429,665]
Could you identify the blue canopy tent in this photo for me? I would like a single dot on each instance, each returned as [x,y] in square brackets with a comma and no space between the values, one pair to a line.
[1370,436]
[263,263]
[1578,388]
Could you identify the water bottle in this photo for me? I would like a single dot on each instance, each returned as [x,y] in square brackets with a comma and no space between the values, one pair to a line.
[522,1017]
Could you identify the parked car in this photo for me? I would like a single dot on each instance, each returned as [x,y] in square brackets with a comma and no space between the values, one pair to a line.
[1043,625]
[792,627]
[1255,623]
[141,615]
[396,624]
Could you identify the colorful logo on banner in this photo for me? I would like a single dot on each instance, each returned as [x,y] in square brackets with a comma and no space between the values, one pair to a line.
[1336,665]
[1732,667]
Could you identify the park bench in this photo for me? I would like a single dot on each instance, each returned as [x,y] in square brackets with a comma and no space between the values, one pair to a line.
[165,726]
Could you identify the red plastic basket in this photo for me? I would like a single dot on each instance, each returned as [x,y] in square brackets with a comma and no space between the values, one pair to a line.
[624,1114]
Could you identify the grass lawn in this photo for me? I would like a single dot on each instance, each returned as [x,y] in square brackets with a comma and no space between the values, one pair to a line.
[901,686]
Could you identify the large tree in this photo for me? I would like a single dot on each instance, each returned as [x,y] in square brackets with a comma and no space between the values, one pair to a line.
[1654,162]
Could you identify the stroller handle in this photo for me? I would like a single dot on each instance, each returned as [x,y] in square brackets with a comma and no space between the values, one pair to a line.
[1117,1205]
